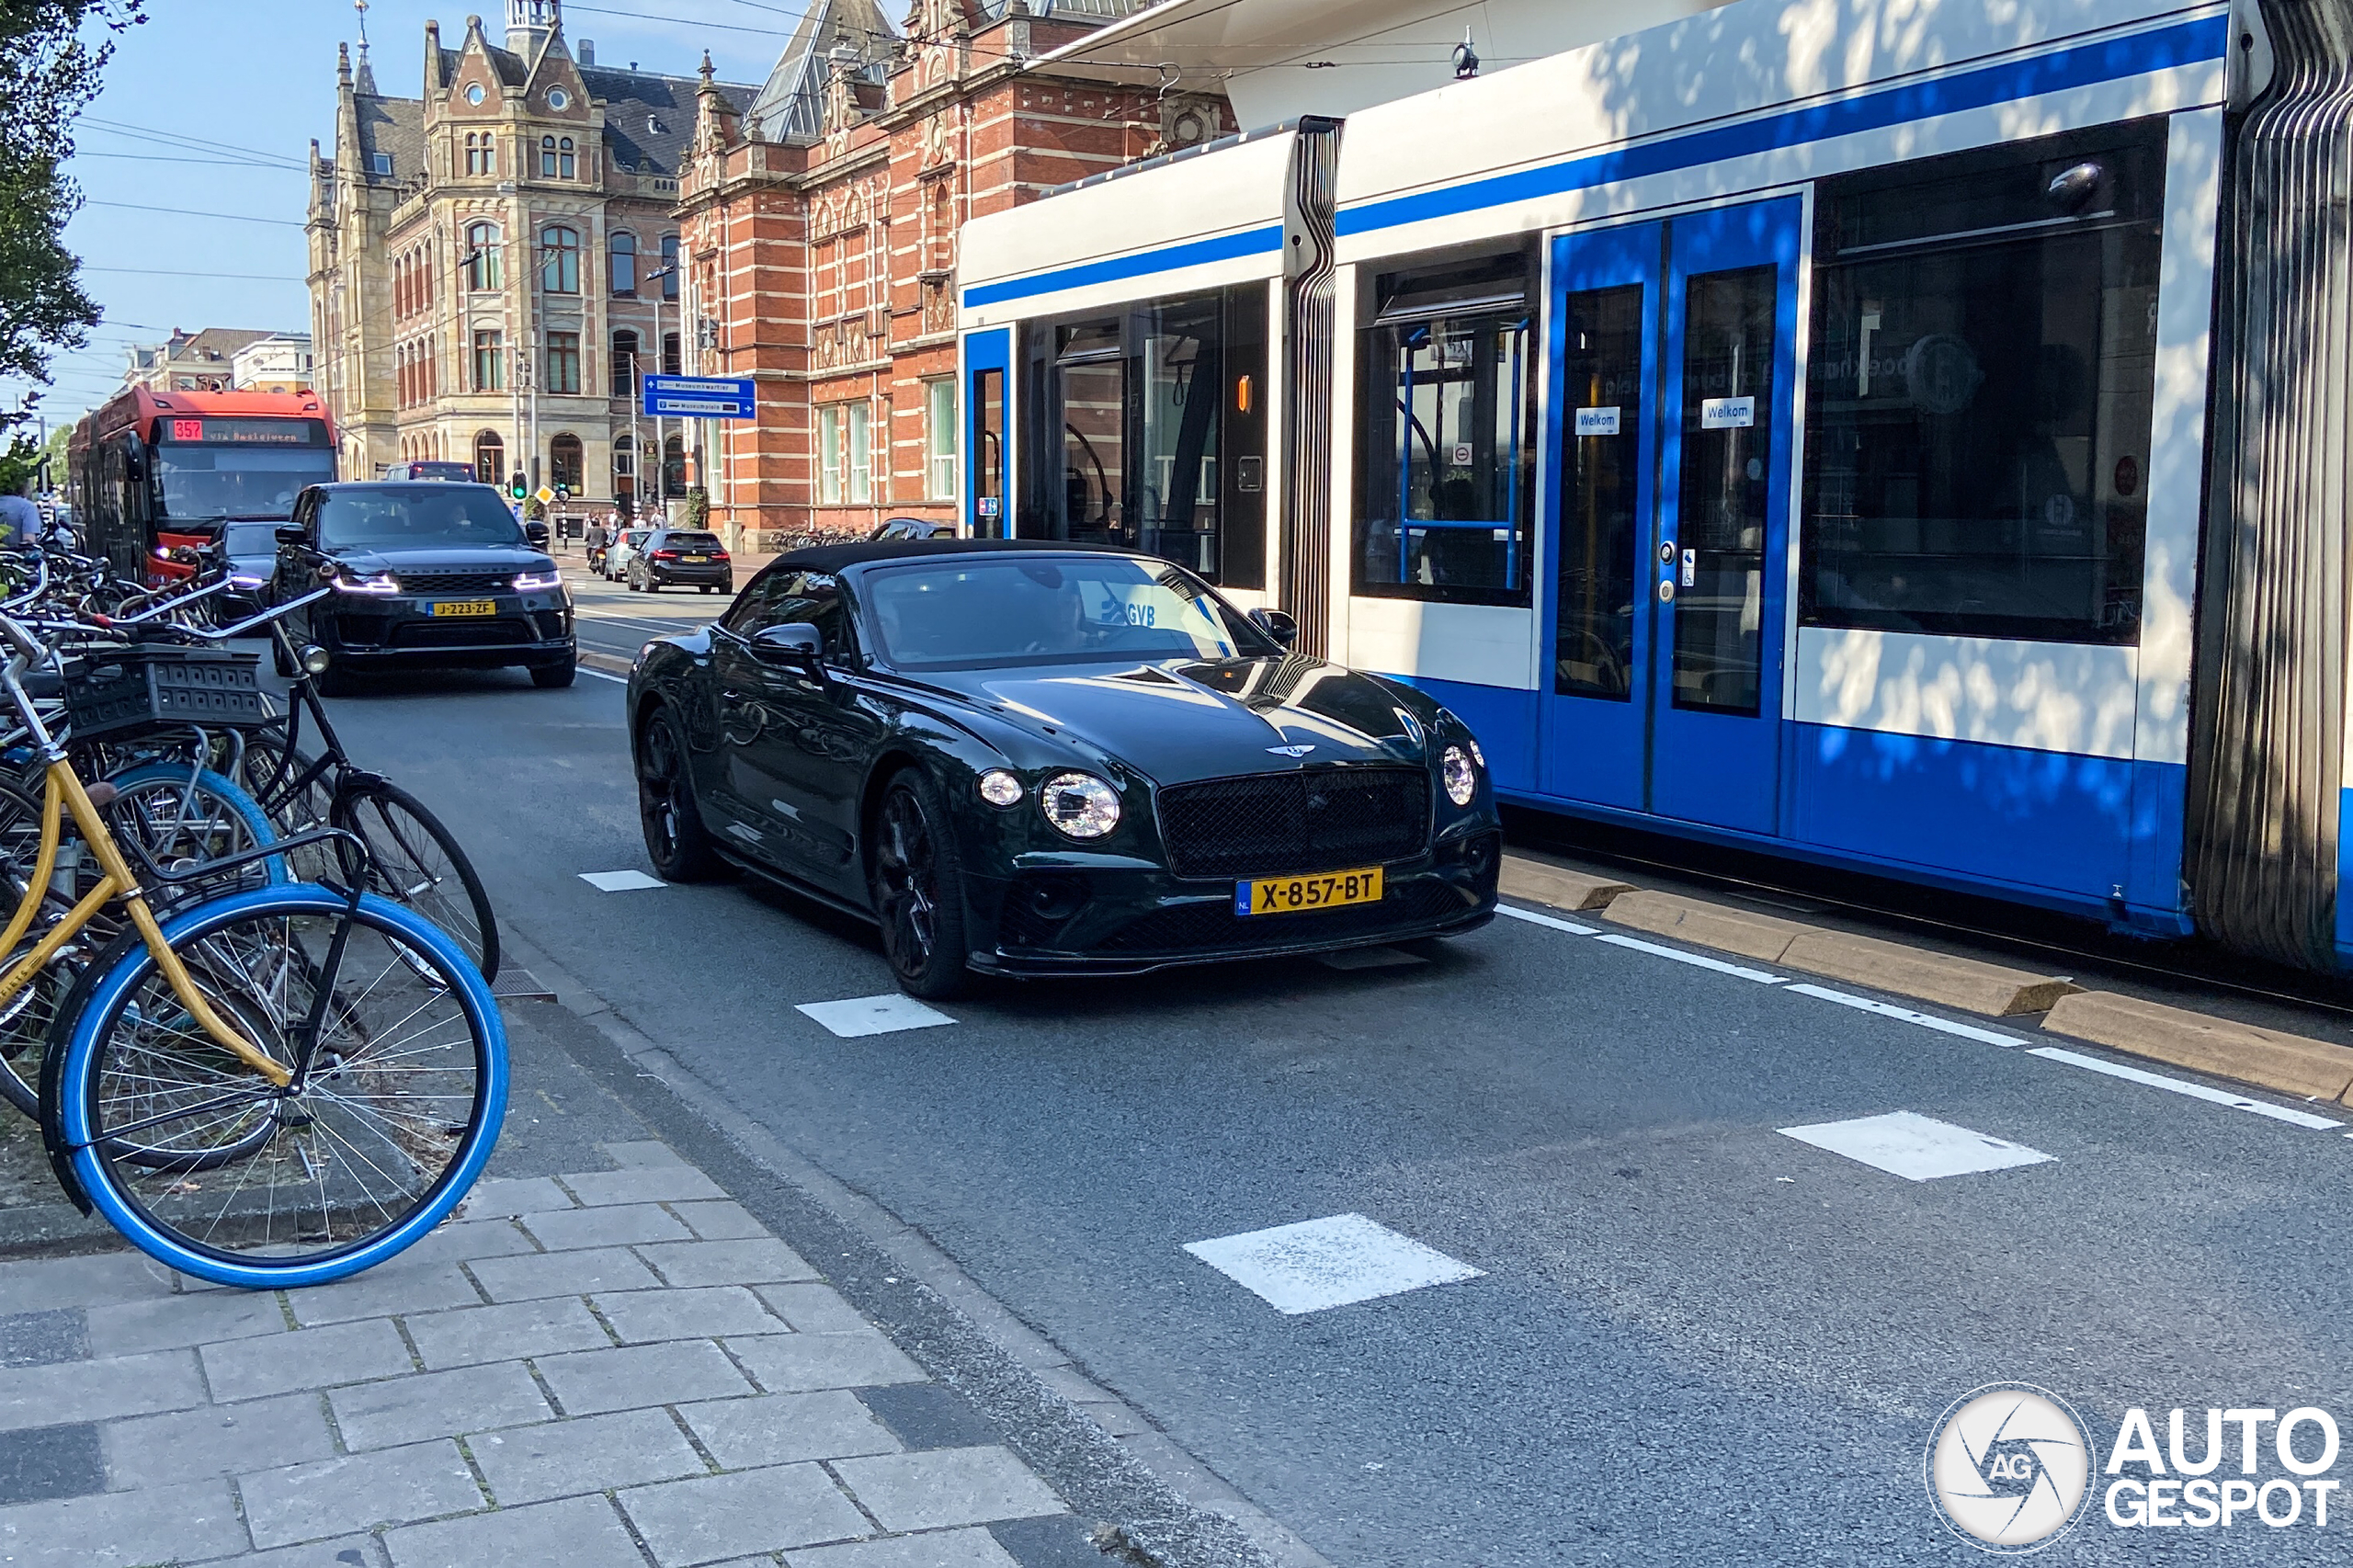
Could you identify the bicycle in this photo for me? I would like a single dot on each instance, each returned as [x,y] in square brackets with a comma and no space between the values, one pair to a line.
[332,1050]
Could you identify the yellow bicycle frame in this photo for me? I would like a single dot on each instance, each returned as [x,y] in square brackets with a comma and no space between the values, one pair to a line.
[65,792]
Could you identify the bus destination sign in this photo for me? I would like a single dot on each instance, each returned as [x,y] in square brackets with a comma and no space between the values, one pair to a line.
[246,432]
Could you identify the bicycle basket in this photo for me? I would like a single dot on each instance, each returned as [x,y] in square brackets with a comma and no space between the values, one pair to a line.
[141,687]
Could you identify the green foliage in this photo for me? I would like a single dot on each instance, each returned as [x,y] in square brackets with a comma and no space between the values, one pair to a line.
[533,508]
[19,461]
[697,511]
[49,70]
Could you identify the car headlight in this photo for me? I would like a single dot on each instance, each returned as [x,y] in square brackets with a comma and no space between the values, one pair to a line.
[245,580]
[534,582]
[1460,778]
[1080,804]
[999,788]
[382,583]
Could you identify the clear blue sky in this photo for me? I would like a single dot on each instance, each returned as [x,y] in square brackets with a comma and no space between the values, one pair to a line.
[260,76]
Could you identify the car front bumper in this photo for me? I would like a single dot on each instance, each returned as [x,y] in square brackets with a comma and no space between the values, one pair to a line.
[404,634]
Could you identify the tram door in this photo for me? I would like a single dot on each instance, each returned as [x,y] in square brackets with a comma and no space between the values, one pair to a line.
[1668,507]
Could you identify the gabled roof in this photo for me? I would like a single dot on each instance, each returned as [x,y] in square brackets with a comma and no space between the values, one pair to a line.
[790,105]
[394,126]
[650,119]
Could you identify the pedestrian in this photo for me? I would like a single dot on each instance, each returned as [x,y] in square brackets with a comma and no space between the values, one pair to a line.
[19,518]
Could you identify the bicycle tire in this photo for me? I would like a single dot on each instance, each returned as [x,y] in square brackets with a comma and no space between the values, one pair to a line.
[26,1020]
[403,872]
[292,812]
[391,957]
[237,805]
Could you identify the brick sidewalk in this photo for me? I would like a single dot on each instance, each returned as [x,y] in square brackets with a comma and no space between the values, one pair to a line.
[605,1369]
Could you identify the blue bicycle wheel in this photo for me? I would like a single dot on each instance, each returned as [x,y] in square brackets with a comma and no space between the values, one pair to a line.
[387,1121]
[180,815]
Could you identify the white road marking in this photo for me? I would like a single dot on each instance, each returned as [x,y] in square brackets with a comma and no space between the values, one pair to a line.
[874,1014]
[1571,927]
[1915,1147]
[1320,1264]
[2183,1087]
[1699,960]
[617,680]
[620,881]
[1889,1010]
[1369,958]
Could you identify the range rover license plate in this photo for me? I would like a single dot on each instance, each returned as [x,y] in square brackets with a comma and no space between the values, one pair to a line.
[1297,895]
[465,607]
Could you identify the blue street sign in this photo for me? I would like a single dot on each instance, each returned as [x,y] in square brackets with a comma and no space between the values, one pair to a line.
[697,397]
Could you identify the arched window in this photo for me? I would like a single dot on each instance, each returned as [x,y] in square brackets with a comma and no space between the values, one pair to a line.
[674,466]
[560,260]
[482,255]
[564,462]
[621,254]
[625,364]
[547,157]
[474,153]
[670,260]
[566,169]
[490,459]
[670,361]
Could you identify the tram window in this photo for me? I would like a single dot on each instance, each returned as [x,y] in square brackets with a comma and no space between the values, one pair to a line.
[1594,641]
[1446,415]
[1982,375]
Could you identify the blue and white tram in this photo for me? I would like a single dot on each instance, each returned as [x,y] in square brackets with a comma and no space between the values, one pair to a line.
[1908,439]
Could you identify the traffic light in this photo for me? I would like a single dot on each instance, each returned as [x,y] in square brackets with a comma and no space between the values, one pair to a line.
[563,490]
[518,486]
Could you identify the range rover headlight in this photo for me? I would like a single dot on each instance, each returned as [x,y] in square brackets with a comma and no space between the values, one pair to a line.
[1460,778]
[1001,787]
[381,583]
[537,582]
[1080,804]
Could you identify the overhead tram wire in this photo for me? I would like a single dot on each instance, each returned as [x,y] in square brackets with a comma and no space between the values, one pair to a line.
[192,212]
[191,143]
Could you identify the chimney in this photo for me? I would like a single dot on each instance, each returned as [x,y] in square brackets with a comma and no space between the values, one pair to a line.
[587,52]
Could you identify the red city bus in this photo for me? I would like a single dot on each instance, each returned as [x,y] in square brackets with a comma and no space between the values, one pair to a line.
[153,471]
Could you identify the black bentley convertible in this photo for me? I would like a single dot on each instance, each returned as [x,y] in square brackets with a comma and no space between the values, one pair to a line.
[1031,758]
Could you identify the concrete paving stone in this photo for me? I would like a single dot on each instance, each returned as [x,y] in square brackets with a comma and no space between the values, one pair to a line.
[437,1404]
[942,1548]
[657,1184]
[788,1363]
[385,1290]
[50,1461]
[99,1391]
[561,1459]
[524,1277]
[191,1445]
[717,1517]
[928,1415]
[46,1282]
[310,1359]
[580,1532]
[504,1197]
[470,1335]
[639,1376]
[340,1552]
[948,1486]
[643,1154]
[172,1323]
[611,1227]
[778,1428]
[334,1496]
[44,1338]
[760,1261]
[469,1239]
[641,1316]
[724,1220]
[1061,1540]
[814,1309]
[163,1524]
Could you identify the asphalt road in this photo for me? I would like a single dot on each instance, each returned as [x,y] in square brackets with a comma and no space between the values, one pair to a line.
[1694,1338]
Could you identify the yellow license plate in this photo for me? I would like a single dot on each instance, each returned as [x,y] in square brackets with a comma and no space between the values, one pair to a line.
[466,606]
[694,560]
[1297,895]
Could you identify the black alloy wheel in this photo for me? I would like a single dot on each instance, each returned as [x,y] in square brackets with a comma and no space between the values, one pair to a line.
[918,891]
[675,840]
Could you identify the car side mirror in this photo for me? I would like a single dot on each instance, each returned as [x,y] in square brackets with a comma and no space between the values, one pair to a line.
[537,532]
[294,534]
[1276,624]
[795,643]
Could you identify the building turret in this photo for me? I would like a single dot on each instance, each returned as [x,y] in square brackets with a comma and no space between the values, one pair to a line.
[528,23]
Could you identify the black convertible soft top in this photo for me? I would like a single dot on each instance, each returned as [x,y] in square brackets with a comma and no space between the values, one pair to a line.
[834,557]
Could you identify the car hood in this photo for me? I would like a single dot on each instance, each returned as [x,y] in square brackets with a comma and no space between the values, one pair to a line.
[482,558]
[1184,719]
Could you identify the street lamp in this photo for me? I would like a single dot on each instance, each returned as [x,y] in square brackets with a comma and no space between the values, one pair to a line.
[661,445]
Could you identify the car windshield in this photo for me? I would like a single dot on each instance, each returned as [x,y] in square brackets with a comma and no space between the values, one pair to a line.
[693,541]
[416,517]
[200,482]
[962,612]
[252,538]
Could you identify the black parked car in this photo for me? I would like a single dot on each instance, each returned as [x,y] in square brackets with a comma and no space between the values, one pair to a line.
[1033,759]
[426,573]
[680,558]
[913,527]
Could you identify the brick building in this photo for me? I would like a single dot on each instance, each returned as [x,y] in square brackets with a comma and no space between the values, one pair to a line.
[820,224]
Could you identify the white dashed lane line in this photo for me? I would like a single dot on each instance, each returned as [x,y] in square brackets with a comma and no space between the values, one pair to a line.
[874,1014]
[1930,1021]
[617,680]
[1316,1265]
[620,881]
[1916,1147]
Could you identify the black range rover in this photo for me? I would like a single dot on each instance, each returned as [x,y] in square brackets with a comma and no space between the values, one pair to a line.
[426,575]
